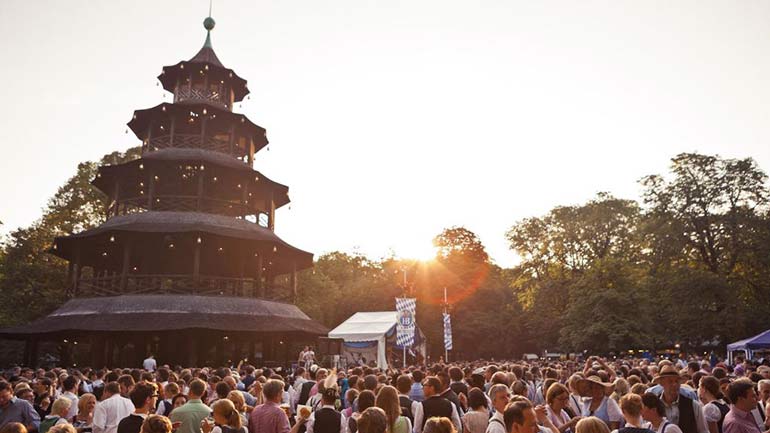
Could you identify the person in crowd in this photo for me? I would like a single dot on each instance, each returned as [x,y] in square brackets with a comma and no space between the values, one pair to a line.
[239,403]
[59,410]
[575,400]
[113,408]
[597,403]
[149,363]
[13,427]
[179,400]
[366,399]
[144,397]
[62,428]
[519,417]
[439,425]
[84,420]
[631,406]
[226,419]
[326,419]
[127,383]
[166,405]
[404,385]
[449,394]
[14,409]
[42,404]
[457,384]
[714,406]
[373,420]
[500,396]
[591,424]
[351,397]
[557,401]
[70,389]
[156,424]
[190,415]
[654,412]
[434,405]
[417,393]
[743,399]
[476,419]
[269,417]
[621,388]
[681,409]
[387,400]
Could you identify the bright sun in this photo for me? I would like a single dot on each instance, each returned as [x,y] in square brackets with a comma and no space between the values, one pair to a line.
[418,251]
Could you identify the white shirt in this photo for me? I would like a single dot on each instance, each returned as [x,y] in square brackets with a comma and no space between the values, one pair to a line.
[72,413]
[670,428]
[310,421]
[494,426]
[418,415]
[149,364]
[109,412]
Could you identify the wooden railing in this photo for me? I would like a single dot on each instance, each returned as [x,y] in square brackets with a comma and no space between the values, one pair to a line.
[189,141]
[112,285]
[200,95]
[182,203]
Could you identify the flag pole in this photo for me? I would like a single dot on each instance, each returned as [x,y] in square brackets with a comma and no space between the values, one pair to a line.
[446,351]
[405,292]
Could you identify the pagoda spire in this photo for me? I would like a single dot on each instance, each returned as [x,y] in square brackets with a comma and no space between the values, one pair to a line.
[206,53]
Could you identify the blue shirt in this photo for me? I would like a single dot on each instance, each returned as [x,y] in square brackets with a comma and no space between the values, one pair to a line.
[416,393]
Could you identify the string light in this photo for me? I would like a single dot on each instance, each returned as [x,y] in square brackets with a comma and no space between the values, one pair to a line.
[112,238]
[163,108]
[199,240]
[104,254]
[141,166]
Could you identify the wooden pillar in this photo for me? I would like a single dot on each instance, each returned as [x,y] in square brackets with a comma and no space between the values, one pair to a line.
[126,264]
[117,197]
[251,152]
[151,192]
[203,130]
[201,178]
[197,262]
[172,131]
[241,274]
[232,139]
[244,199]
[77,271]
[270,208]
[260,284]
[294,282]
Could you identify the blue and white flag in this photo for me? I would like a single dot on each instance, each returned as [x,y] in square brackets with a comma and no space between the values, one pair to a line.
[405,329]
[447,332]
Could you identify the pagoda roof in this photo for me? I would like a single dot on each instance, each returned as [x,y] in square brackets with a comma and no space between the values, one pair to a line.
[142,119]
[107,173]
[170,312]
[192,222]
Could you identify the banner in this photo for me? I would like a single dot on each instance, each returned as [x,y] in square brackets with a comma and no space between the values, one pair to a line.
[405,308]
[447,332]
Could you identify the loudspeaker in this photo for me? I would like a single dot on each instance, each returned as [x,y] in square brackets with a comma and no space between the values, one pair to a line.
[329,346]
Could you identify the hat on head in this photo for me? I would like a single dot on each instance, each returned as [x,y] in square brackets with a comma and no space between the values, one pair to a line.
[666,371]
[593,380]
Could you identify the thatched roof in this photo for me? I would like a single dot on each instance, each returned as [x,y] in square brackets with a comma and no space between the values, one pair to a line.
[191,222]
[170,312]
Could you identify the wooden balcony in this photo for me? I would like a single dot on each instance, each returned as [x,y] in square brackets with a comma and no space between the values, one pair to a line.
[111,285]
[182,203]
[188,141]
[184,94]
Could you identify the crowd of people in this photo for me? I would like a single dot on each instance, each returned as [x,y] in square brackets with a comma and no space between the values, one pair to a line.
[597,396]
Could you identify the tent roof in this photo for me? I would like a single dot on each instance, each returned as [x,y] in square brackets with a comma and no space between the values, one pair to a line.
[365,326]
[759,341]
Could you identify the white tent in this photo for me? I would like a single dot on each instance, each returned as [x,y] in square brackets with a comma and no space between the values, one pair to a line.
[368,333]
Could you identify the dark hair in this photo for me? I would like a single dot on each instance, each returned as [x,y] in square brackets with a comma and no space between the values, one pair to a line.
[70,382]
[719,372]
[477,380]
[514,413]
[433,382]
[5,386]
[711,384]
[418,376]
[372,420]
[13,427]
[126,380]
[370,382]
[694,366]
[738,389]
[222,389]
[365,400]
[404,384]
[476,399]
[455,374]
[177,397]
[651,401]
[197,387]
[156,424]
[112,388]
[141,392]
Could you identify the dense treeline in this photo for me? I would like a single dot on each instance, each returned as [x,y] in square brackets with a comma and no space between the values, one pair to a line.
[689,264]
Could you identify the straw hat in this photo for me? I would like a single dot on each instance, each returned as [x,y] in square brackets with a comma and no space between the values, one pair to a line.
[584,384]
[666,371]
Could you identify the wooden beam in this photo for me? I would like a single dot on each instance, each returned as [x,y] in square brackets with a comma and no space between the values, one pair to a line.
[126,264]
[294,282]
[260,285]
[151,192]
[201,176]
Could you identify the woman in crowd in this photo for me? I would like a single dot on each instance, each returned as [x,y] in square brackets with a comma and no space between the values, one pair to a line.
[178,401]
[714,406]
[439,425]
[622,388]
[226,419]
[557,401]
[598,404]
[43,404]
[239,402]
[350,397]
[85,416]
[387,400]
[365,401]
[476,419]
[372,420]
[591,424]
[156,424]
[654,412]
[58,415]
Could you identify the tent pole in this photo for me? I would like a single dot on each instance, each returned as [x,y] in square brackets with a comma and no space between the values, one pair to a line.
[404,364]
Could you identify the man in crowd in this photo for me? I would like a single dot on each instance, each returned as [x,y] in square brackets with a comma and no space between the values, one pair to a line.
[327,419]
[744,400]
[269,417]
[434,405]
[500,396]
[70,391]
[144,397]
[520,418]
[14,409]
[194,411]
[113,408]
[681,410]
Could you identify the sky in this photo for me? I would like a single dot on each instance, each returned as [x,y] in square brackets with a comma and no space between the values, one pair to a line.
[392,120]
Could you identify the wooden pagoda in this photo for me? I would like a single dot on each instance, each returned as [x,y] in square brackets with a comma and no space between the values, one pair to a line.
[185,266]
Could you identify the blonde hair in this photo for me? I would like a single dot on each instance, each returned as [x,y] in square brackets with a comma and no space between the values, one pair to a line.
[387,400]
[554,391]
[226,408]
[591,424]
[83,401]
[60,405]
[631,404]
[439,425]
[156,424]
[63,428]
[237,398]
